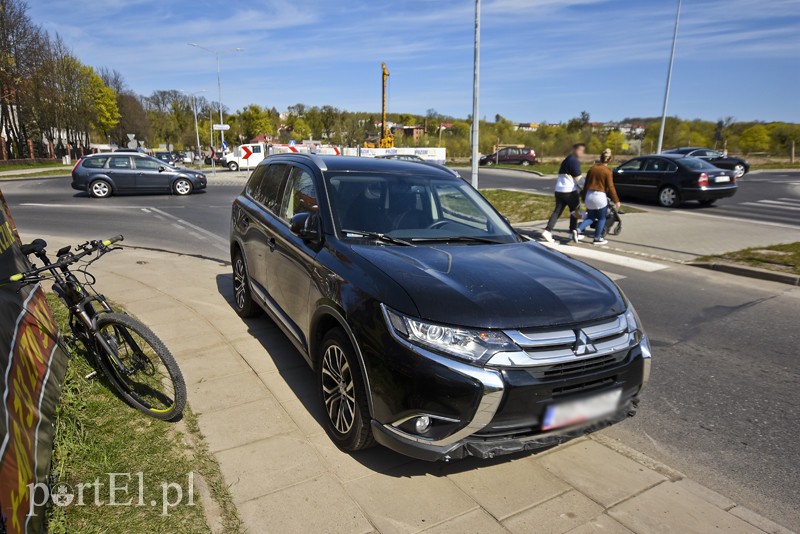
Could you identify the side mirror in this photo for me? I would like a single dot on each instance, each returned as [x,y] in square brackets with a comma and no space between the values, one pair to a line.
[306,226]
[161,168]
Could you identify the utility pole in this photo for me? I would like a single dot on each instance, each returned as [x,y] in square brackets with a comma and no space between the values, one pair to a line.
[475,93]
[194,111]
[669,81]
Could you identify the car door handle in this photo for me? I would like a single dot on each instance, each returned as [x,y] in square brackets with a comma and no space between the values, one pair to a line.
[271,243]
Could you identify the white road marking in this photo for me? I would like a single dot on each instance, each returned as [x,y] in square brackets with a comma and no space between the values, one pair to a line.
[203,231]
[614,276]
[772,204]
[145,210]
[793,200]
[178,226]
[159,217]
[608,257]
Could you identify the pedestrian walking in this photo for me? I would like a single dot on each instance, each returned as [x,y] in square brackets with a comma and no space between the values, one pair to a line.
[567,191]
[598,188]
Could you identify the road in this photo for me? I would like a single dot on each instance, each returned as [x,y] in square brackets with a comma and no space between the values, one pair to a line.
[772,197]
[724,395]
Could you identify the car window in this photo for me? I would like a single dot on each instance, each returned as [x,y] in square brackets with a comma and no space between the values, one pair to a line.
[266,183]
[300,195]
[95,163]
[696,164]
[659,165]
[455,206]
[256,149]
[632,165]
[149,164]
[120,162]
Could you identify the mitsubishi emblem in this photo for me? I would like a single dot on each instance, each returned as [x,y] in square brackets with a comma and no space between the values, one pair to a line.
[583,345]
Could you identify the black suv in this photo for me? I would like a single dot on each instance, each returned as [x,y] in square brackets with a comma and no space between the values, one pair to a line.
[432,326]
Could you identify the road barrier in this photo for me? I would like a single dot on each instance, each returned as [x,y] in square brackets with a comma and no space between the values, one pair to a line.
[33,366]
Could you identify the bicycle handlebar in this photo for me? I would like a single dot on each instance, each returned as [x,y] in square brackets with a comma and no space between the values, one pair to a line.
[66,259]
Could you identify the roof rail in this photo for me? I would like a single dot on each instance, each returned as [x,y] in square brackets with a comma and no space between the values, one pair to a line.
[318,161]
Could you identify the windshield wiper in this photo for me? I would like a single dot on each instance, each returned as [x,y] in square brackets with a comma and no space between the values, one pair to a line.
[378,236]
[457,239]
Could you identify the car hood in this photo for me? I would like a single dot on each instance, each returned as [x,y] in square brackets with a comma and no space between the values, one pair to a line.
[497,286]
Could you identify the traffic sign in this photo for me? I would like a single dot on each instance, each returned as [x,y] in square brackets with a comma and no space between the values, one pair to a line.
[222,127]
[246,151]
[292,143]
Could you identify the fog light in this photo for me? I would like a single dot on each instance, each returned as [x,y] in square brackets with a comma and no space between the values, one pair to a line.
[422,424]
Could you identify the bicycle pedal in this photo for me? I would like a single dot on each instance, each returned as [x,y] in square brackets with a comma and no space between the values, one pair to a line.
[91,375]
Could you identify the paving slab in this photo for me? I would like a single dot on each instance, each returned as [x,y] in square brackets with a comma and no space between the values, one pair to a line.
[268,465]
[224,392]
[506,488]
[670,508]
[601,524]
[555,516]
[270,351]
[401,504]
[210,364]
[243,424]
[474,522]
[600,473]
[290,384]
[352,466]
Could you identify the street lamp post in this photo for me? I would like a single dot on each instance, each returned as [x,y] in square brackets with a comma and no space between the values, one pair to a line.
[216,54]
[194,111]
[475,90]
[669,81]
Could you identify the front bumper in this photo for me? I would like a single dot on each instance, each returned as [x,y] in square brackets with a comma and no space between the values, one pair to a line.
[492,411]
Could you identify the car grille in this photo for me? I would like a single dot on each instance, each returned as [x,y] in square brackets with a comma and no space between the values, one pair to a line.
[563,352]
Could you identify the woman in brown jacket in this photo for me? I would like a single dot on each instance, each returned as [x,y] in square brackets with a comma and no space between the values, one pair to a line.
[598,187]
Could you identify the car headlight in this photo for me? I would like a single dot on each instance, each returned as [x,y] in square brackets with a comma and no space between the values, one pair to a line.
[464,343]
[634,323]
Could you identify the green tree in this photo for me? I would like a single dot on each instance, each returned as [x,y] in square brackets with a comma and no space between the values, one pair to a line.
[754,139]
[300,130]
[254,121]
[103,103]
[615,140]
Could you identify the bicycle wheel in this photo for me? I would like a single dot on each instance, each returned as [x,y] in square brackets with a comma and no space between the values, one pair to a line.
[139,366]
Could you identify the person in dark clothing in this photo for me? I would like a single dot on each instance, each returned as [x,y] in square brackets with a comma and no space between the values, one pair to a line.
[599,187]
[567,191]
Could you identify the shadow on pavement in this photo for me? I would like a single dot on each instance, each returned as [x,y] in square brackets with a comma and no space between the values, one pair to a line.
[299,377]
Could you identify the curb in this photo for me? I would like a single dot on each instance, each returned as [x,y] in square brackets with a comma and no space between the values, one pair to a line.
[750,272]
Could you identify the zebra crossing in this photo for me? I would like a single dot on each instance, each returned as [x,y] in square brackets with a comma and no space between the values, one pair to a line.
[785,210]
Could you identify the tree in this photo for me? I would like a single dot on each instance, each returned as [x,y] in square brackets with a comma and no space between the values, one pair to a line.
[254,121]
[102,102]
[755,139]
[300,130]
[329,116]
[615,140]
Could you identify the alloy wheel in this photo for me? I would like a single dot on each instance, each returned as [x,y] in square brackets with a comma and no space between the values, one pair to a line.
[100,189]
[668,197]
[239,282]
[338,389]
[183,187]
[738,170]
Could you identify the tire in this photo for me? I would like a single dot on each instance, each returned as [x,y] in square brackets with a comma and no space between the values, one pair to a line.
[489,163]
[669,197]
[233,166]
[525,163]
[739,170]
[346,417]
[708,202]
[100,189]
[242,298]
[153,384]
[182,187]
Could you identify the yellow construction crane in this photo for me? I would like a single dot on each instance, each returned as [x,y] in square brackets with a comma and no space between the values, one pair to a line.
[386,140]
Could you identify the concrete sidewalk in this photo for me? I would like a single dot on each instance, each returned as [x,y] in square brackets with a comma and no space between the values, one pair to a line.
[21,172]
[257,407]
[683,236]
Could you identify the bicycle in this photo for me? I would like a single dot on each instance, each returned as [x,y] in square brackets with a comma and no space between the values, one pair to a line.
[135,361]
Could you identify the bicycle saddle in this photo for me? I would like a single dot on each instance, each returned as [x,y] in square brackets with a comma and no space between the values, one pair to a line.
[37,245]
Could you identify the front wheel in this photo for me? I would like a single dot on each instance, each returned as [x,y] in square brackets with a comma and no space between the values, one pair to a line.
[139,366]
[233,166]
[342,393]
[182,187]
[669,197]
[525,163]
[738,170]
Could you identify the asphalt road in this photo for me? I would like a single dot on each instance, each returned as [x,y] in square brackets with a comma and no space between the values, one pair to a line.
[762,196]
[724,394]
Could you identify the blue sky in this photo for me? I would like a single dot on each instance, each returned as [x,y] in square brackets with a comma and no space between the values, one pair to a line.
[542,60]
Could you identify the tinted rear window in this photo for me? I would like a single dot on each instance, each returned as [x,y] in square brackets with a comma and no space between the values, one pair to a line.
[695,164]
[265,185]
[95,163]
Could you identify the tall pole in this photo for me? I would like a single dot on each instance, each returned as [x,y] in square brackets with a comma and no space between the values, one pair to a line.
[669,81]
[475,89]
[196,129]
[219,92]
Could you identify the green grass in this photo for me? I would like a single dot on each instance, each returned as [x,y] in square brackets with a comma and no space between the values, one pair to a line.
[97,433]
[32,165]
[524,207]
[64,171]
[782,258]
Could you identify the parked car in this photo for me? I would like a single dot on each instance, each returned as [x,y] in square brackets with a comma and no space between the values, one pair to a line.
[218,160]
[739,166]
[125,149]
[672,179]
[103,175]
[433,328]
[510,156]
[403,157]
[167,157]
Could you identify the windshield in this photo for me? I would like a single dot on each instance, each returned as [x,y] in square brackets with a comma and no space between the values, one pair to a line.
[412,207]
[696,164]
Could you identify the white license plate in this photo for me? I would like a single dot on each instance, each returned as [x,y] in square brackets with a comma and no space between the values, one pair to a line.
[720,179]
[581,410]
